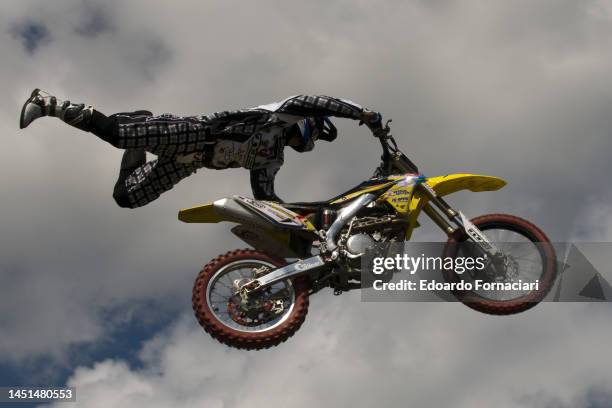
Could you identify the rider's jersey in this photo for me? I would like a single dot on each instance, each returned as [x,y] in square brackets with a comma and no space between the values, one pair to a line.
[255,138]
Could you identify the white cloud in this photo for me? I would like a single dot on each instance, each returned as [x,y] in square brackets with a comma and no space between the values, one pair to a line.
[364,354]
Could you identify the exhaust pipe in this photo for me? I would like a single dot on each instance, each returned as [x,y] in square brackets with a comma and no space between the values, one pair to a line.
[345,216]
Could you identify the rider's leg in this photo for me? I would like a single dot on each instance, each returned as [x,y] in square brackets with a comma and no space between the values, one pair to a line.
[131,160]
[148,181]
[163,135]
[81,116]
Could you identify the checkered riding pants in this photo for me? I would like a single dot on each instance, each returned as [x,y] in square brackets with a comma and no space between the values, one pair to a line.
[166,136]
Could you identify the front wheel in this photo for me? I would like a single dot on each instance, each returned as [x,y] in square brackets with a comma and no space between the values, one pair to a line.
[270,316]
[528,256]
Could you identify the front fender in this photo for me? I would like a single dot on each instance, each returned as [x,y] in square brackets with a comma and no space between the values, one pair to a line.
[451,183]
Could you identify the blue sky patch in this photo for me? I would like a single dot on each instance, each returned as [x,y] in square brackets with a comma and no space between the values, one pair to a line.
[123,341]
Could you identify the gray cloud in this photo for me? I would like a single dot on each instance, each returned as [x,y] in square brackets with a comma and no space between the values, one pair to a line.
[32,35]
[519,90]
[95,20]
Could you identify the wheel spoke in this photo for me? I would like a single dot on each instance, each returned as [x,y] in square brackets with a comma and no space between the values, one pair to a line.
[224,285]
[221,289]
[525,255]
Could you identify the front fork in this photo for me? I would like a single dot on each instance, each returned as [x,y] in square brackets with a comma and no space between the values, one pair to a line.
[445,213]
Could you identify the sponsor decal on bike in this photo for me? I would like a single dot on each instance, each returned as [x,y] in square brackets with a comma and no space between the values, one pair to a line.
[272,212]
[302,266]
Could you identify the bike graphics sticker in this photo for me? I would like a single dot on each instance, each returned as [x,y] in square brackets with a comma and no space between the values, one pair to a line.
[274,213]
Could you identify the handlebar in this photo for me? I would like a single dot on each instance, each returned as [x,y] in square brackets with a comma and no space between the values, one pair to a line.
[393,160]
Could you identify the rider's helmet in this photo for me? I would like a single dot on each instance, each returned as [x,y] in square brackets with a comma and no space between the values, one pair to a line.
[312,129]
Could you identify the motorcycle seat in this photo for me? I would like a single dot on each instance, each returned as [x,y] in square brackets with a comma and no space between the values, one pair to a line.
[319,205]
[303,206]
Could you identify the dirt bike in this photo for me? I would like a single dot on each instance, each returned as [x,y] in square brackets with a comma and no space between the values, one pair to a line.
[256,298]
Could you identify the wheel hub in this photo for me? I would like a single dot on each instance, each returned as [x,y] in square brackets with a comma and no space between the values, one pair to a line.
[253,311]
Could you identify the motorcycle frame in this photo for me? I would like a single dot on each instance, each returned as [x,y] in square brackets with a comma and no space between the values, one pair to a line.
[426,195]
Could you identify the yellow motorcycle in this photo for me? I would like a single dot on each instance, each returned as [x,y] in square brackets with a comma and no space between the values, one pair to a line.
[258,298]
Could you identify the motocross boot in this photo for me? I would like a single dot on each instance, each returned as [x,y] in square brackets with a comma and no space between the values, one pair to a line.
[42,104]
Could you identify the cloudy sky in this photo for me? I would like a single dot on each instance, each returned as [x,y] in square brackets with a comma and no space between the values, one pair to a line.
[98,297]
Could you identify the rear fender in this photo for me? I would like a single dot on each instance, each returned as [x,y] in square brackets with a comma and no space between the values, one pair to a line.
[253,228]
[225,209]
[247,211]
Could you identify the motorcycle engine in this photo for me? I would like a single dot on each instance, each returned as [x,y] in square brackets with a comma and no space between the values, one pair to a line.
[366,232]
[357,244]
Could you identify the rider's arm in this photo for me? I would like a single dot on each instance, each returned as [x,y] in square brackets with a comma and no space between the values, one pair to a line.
[321,105]
[262,184]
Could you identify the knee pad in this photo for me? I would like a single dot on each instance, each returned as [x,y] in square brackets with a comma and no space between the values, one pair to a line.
[121,196]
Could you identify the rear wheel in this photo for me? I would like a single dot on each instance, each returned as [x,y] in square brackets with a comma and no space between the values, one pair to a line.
[528,257]
[269,317]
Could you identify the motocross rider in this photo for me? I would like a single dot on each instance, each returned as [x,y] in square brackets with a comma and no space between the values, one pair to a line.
[250,138]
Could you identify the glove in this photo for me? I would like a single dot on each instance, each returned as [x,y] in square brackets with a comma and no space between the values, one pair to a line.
[373,120]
